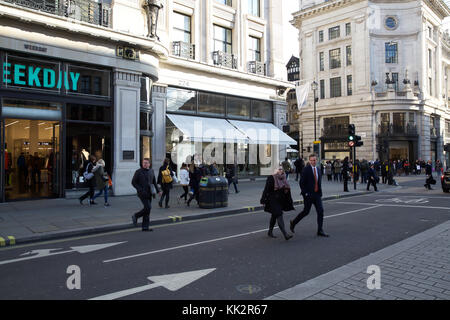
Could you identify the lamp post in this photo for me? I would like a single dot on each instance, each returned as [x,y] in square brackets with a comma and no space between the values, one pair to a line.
[152,8]
[314,86]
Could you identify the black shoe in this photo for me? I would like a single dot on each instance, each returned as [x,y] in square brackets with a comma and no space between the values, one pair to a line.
[134,219]
[147,229]
[288,236]
[107,204]
[92,203]
[270,234]
[322,234]
[167,206]
[292,226]
[237,191]
[160,204]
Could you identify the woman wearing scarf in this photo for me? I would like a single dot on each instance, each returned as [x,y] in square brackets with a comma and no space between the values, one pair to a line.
[277,198]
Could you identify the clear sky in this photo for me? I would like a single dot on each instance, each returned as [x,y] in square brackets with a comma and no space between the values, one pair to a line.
[290,35]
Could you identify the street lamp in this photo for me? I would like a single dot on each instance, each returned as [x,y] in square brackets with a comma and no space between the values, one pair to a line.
[314,86]
[152,8]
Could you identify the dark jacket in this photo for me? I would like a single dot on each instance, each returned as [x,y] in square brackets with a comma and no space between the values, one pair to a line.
[194,178]
[141,182]
[299,165]
[372,175]
[276,201]
[307,181]
[345,170]
[231,173]
[428,169]
[160,182]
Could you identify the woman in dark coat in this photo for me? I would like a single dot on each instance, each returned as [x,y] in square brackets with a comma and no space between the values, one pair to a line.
[277,198]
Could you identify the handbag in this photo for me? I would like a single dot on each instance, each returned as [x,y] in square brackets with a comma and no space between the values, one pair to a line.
[153,189]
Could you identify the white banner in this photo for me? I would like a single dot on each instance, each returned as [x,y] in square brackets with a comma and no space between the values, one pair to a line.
[302,94]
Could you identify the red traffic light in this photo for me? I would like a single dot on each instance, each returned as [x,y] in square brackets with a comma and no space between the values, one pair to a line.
[351,144]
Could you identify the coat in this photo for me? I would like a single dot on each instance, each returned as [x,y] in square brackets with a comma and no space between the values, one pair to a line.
[99,172]
[141,182]
[276,201]
[165,185]
[307,181]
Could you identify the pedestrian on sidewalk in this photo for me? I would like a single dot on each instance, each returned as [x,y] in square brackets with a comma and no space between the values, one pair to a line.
[345,173]
[299,165]
[329,170]
[184,181]
[101,179]
[195,175]
[277,198]
[286,167]
[213,169]
[429,175]
[145,184]
[438,168]
[372,178]
[231,177]
[90,180]
[384,172]
[165,180]
[311,186]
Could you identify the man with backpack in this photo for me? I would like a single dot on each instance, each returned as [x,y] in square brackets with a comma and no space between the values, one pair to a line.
[90,181]
[165,180]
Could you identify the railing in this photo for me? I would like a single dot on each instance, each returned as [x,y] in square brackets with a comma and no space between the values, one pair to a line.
[256,67]
[397,130]
[223,59]
[183,49]
[83,10]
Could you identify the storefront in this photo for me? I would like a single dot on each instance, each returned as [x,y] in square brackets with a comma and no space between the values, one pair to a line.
[211,127]
[54,114]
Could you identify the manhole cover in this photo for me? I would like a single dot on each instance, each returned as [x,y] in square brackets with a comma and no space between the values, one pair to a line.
[248,289]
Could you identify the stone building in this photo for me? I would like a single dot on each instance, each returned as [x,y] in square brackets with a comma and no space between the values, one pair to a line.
[381,65]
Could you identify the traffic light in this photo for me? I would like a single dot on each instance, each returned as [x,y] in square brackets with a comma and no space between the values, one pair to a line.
[358,142]
[351,133]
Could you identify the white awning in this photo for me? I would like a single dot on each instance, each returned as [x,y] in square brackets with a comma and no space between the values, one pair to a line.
[263,133]
[199,129]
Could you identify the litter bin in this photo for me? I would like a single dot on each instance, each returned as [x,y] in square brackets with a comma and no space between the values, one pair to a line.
[213,192]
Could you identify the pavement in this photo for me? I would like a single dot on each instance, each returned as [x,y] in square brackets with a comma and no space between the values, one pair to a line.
[402,230]
[37,220]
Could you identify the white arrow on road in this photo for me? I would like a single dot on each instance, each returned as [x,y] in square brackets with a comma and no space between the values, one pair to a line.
[172,282]
[41,253]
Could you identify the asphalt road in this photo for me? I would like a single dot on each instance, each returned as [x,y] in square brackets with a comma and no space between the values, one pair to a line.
[238,259]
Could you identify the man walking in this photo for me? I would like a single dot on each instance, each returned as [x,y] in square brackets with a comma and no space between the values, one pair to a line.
[345,173]
[429,174]
[372,180]
[310,183]
[299,165]
[143,180]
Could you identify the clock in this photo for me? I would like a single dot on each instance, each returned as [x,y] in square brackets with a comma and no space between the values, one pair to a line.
[391,23]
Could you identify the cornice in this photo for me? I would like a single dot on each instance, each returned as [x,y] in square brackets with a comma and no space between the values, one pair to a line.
[69,25]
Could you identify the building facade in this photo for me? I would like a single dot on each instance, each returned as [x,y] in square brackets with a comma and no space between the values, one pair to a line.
[225,79]
[76,81]
[381,65]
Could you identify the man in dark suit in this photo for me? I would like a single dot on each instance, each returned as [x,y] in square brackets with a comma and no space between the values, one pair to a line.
[142,180]
[429,174]
[310,183]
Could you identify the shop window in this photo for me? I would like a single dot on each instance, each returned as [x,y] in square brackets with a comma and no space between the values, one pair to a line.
[91,81]
[238,107]
[262,110]
[81,112]
[210,103]
[180,100]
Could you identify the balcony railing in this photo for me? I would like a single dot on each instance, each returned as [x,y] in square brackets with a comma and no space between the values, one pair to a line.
[256,67]
[397,130]
[224,59]
[183,49]
[83,10]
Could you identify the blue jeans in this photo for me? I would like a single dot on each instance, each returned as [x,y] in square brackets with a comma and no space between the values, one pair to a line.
[105,190]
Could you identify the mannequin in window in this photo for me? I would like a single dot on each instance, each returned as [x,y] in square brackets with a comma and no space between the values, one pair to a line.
[84,157]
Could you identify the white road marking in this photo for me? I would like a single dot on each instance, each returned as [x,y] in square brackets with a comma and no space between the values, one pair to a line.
[398,205]
[172,282]
[223,238]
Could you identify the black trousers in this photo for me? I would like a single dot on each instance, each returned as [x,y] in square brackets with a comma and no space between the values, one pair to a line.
[145,212]
[316,200]
[185,194]
[89,194]
[165,194]
[372,182]
[345,184]
[277,218]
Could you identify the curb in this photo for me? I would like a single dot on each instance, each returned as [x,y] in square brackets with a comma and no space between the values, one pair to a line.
[11,241]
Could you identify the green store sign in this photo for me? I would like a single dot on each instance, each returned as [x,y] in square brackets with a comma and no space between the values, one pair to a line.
[35,77]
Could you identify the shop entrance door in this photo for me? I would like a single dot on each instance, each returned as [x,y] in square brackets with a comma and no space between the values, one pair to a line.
[31,159]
